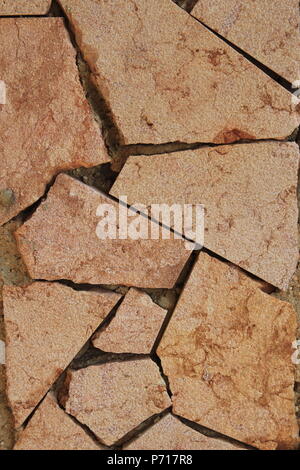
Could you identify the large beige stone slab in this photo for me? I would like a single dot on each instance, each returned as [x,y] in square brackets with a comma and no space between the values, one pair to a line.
[51,428]
[114,398]
[249,194]
[135,327]
[171,434]
[24,7]
[46,326]
[46,124]
[60,242]
[228,355]
[266,29]
[167,78]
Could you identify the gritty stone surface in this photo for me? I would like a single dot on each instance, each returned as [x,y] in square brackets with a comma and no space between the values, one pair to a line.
[51,428]
[114,398]
[72,250]
[6,422]
[250,203]
[135,326]
[171,434]
[46,125]
[230,344]
[266,29]
[24,7]
[46,326]
[165,76]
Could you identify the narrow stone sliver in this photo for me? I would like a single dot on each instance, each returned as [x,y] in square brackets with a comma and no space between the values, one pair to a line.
[24,7]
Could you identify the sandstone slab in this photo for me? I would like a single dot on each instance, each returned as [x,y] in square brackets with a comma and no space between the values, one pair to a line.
[24,7]
[171,434]
[266,29]
[250,198]
[135,326]
[60,242]
[227,354]
[46,326]
[170,76]
[51,428]
[114,398]
[46,124]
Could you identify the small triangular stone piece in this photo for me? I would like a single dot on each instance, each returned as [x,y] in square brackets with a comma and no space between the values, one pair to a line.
[167,78]
[46,325]
[113,399]
[50,428]
[24,7]
[227,353]
[134,327]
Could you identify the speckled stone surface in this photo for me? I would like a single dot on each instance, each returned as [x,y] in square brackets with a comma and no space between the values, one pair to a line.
[51,428]
[24,7]
[266,29]
[72,250]
[134,327]
[46,326]
[46,124]
[249,193]
[166,78]
[227,353]
[114,398]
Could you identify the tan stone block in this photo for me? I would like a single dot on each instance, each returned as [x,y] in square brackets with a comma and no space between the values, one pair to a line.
[24,7]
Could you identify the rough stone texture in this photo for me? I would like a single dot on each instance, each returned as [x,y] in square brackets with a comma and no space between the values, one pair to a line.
[51,428]
[250,203]
[165,76]
[46,125]
[24,7]
[135,326]
[171,434]
[227,354]
[46,326]
[6,422]
[114,398]
[266,29]
[72,250]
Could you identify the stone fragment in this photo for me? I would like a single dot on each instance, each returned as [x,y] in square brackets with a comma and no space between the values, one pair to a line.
[227,353]
[135,326]
[114,398]
[60,242]
[46,124]
[172,79]
[46,326]
[171,434]
[24,7]
[51,428]
[266,29]
[6,427]
[249,194]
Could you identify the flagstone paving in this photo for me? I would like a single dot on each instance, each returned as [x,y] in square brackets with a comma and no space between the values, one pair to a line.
[24,7]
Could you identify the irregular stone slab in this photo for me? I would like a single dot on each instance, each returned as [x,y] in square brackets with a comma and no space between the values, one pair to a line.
[46,125]
[250,203]
[135,326]
[266,29]
[114,398]
[46,326]
[24,7]
[171,434]
[51,428]
[227,354]
[72,250]
[165,76]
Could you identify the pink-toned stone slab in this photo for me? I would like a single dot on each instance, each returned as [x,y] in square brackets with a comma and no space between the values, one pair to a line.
[249,194]
[46,326]
[167,78]
[135,326]
[46,124]
[114,398]
[266,29]
[171,434]
[24,7]
[51,428]
[60,242]
[228,355]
